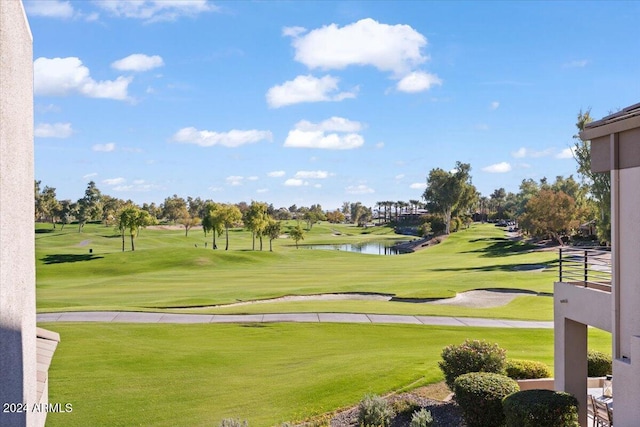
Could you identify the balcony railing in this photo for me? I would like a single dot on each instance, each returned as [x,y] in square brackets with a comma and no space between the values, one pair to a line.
[590,268]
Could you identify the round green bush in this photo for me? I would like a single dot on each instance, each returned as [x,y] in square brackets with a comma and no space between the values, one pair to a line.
[535,408]
[480,394]
[526,369]
[598,364]
[471,356]
[374,411]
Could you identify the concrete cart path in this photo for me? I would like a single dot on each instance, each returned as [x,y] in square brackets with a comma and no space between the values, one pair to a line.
[147,317]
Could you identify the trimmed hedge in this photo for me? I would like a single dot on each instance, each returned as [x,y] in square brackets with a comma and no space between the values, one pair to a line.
[535,408]
[480,394]
[471,356]
[598,364]
[519,369]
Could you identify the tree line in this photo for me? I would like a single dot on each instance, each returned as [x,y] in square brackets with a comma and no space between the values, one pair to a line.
[450,201]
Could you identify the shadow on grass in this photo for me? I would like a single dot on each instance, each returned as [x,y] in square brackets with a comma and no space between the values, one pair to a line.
[44,230]
[63,258]
[534,267]
[501,247]
[111,236]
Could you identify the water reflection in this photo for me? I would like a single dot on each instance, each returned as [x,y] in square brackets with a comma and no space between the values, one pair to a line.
[371,248]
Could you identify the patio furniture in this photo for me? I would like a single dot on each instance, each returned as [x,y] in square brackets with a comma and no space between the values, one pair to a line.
[591,412]
[603,414]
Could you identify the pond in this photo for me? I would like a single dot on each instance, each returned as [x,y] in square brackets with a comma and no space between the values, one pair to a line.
[370,248]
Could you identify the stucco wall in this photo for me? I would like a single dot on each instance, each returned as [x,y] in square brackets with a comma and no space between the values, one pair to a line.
[628,253]
[17,268]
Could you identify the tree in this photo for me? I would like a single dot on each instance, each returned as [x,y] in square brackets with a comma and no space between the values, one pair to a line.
[188,222]
[447,191]
[313,215]
[47,205]
[273,232]
[550,214]
[230,216]
[335,217]
[256,220]
[297,234]
[360,214]
[133,218]
[497,200]
[212,221]
[110,208]
[599,184]
[89,206]
[174,208]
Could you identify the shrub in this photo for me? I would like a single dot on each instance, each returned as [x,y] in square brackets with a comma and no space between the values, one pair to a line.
[231,422]
[421,418]
[598,364]
[526,369]
[374,411]
[471,356]
[480,395]
[534,408]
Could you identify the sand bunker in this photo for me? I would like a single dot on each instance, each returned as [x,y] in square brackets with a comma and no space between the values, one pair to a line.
[487,298]
[484,299]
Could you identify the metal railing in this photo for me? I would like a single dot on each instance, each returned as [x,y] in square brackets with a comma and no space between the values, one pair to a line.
[590,268]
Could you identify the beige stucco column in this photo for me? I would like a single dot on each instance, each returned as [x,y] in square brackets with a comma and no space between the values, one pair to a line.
[17,268]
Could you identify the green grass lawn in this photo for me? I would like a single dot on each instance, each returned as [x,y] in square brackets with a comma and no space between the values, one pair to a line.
[167,270]
[196,375]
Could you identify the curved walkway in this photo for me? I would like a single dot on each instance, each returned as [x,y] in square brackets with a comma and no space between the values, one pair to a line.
[146,317]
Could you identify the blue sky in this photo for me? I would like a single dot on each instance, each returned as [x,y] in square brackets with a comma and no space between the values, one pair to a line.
[318,102]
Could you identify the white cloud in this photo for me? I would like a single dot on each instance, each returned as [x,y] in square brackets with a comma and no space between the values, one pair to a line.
[418,186]
[49,8]
[156,10]
[114,181]
[523,152]
[567,153]
[49,108]
[295,182]
[138,62]
[66,76]
[293,31]
[306,89]
[234,180]
[520,153]
[315,135]
[395,48]
[276,174]
[104,147]
[90,175]
[494,105]
[233,138]
[137,185]
[301,139]
[56,130]
[501,167]
[418,81]
[312,174]
[333,124]
[580,63]
[380,145]
[359,189]
[400,176]
[252,178]
[262,190]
